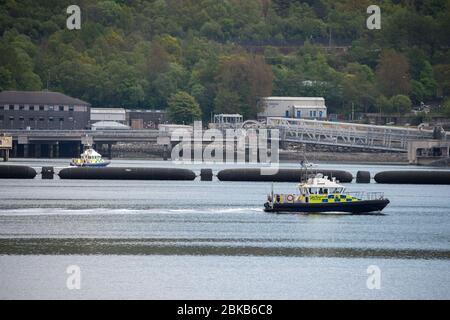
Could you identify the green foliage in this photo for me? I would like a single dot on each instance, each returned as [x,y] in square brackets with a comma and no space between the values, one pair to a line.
[446,109]
[401,104]
[384,105]
[226,54]
[183,109]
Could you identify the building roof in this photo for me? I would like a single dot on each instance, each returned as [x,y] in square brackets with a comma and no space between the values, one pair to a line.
[295,98]
[142,111]
[310,107]
[39,97]
[107,110]
[110,125]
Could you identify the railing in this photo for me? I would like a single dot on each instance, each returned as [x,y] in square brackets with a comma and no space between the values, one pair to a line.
[347,134]
[362,195]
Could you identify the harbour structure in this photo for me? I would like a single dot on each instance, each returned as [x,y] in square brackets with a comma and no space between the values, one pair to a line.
[434,152]
[349,135]
[69,143]
[5,146]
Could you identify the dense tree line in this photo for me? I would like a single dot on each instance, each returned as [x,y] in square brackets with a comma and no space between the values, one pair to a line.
[220,56]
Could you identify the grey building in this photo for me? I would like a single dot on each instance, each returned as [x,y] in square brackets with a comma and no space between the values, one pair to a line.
[293,107]
[146,119]
[42,110]
[108,114]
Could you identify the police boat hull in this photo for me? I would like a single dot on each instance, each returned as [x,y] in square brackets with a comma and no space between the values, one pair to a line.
[358,207]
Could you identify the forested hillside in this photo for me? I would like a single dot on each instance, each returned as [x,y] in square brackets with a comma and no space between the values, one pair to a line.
[226,53]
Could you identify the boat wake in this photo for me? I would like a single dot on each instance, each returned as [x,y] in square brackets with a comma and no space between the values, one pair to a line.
[122,211]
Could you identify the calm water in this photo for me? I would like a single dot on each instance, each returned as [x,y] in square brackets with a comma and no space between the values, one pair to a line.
[211,240]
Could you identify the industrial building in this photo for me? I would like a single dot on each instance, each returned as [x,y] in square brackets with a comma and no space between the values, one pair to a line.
[146,119]
[108,114]
[42,110]
[293,107]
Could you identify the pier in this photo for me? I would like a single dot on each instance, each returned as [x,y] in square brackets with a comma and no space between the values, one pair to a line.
[69,143]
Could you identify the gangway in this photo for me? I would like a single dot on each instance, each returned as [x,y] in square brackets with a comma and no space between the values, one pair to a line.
[342,134]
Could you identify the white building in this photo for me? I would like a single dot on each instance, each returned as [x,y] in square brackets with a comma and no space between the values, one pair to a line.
[293,107]
[108,114]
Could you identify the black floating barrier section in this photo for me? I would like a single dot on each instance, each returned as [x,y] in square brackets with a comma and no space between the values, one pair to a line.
[127,173]
[282,175]
[17,172]
[363,177]
[47,173]
[206,175]
[413,177]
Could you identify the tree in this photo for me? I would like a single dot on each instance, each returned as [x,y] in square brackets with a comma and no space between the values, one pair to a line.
[442,72]
[401,104]
[249,77]
[183,108]
[417,91]
[446,108]
[384,105]
[227,102]
[428,81]
[393,73]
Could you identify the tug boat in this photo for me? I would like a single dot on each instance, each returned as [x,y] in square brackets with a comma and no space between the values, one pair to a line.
[319,194]
[89,158]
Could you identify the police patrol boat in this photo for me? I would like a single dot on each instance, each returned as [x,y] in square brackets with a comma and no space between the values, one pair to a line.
[319,194]
[89,158]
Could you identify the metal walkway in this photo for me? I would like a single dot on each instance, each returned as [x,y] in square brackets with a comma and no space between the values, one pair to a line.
[347,134]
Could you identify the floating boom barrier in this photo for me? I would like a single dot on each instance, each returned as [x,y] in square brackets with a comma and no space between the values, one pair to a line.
[413,177]
[17,172]
[127,174]
[282,175]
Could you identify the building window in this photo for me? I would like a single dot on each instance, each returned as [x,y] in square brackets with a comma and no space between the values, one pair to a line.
[310,114]
[41,108]
[11,107]
[61,108]
[70,108]
[21,118]
[11,118]
[315,114]
[50,119]
[320,114]
[2,107]
[287,113]
[21,107]
[1,117]
[51,108]
[61,119]
[299,113]
[31,119]
[70,119]
[41,118]
[31,108]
